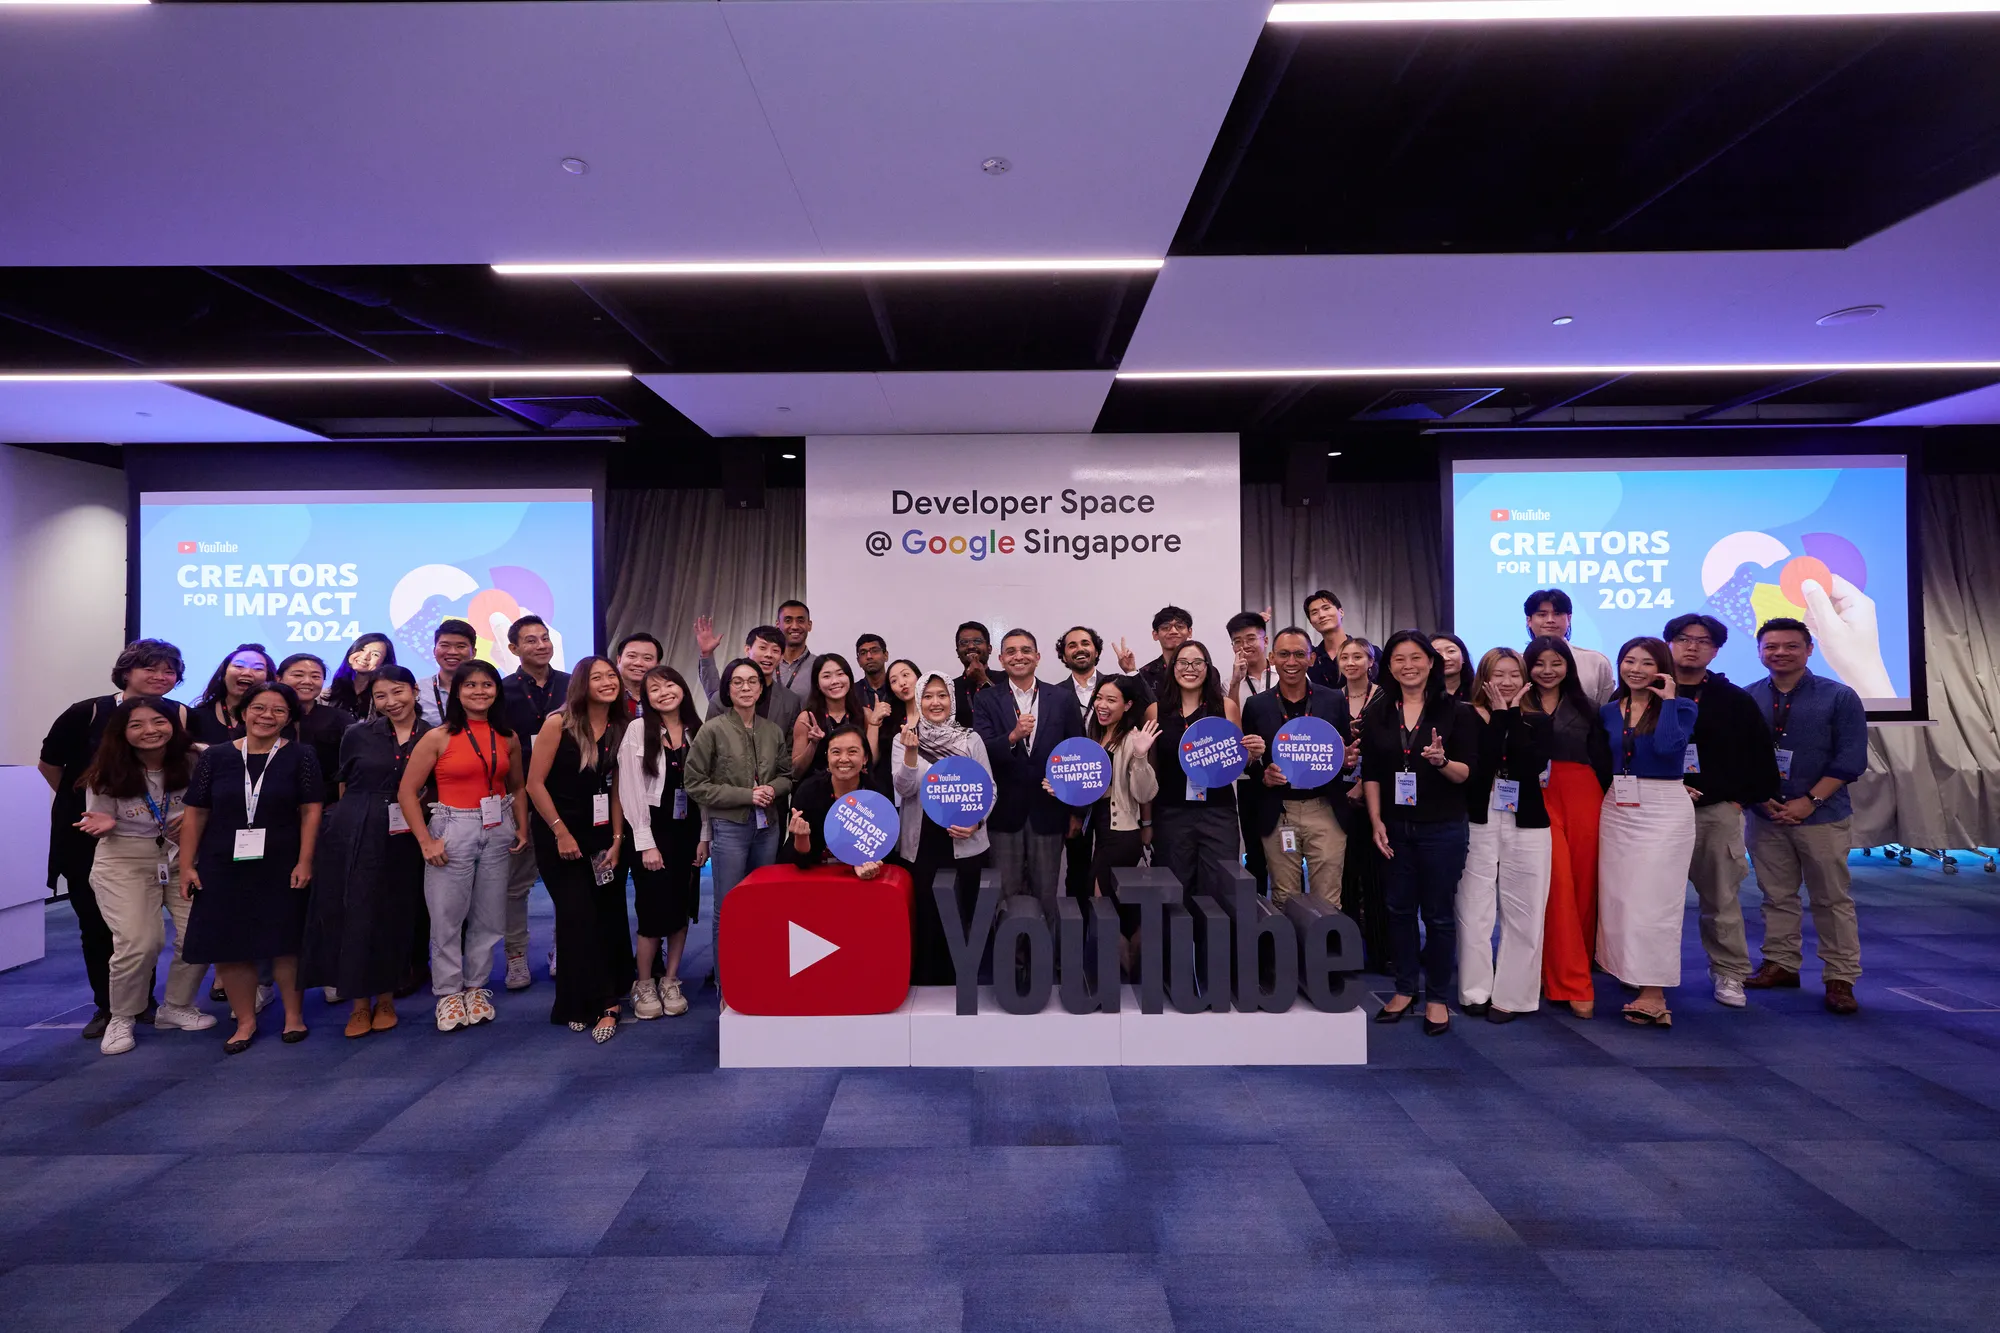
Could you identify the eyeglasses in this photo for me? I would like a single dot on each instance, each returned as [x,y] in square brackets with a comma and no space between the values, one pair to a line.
[1179,626]
[1701,639]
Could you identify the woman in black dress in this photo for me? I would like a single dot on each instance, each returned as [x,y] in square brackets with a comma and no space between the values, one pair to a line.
[669,834]
[353,680]
[252,817]
[368,892]
[216,717]
[573,779]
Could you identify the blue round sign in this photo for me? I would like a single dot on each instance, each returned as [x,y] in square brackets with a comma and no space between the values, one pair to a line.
[1079,772]
[861,826]
[1212,753]
[1308,751]
[957,791]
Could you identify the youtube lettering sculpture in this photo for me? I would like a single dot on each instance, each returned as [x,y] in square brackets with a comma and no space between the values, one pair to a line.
[816,965]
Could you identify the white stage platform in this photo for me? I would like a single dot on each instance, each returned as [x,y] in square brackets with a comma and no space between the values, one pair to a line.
[928,1031]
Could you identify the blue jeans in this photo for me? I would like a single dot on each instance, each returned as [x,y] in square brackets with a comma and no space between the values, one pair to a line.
[1421,880]
[734,850]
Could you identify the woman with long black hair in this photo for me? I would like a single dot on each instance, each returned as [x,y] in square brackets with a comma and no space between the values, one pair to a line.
[479,822]
[352,687]
[1579,773]
[831,702]
[368,893]
[902,681]
[573,781]
[934,734]
[1195,835]
[1418,745]
[1457,665]
[1123,815]
[216,717]
[669,834]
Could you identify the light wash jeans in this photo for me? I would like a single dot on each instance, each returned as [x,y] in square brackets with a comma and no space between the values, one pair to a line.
[467,897]
[734,850]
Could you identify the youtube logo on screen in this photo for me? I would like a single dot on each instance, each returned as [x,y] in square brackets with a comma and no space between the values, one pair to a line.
[816,942]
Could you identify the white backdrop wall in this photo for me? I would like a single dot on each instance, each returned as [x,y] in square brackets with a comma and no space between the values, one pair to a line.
[1017,543]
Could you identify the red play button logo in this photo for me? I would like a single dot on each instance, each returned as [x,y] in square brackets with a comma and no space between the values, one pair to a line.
[816,941]
[185,548]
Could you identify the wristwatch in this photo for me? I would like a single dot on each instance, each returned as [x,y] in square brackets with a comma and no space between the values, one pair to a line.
[1817,801]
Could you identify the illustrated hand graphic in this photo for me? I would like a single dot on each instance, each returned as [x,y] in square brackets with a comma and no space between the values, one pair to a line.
[1843,627]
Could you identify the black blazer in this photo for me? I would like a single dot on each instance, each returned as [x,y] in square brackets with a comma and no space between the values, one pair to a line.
[1018,767]
[1263,714]
[1525,739]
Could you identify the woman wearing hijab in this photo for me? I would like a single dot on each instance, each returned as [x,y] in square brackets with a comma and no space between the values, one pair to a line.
[931,735]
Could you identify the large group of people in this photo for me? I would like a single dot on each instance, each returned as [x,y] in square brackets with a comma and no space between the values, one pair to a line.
[1502,826]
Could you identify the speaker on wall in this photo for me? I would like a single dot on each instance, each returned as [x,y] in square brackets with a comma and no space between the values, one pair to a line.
[743,474]
[1305,476]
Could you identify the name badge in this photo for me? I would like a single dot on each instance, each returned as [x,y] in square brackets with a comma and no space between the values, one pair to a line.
[1406,788]
[1195,793]
[161,873]
[249,844]
[600,808]
[1625,790]
[762,817]
[680,803]
[1784,763]
[1289,840]
[398,823]
[492,809]
[1547,769]
[1691,761]
[1507,795]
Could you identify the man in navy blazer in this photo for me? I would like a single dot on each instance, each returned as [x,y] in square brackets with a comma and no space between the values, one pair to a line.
[1022,720]
[1298,823]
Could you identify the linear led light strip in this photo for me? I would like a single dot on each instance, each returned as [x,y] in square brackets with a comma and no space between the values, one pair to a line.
[1384,372]
[820,267]
[313,376]
[71,4]
[1503,11]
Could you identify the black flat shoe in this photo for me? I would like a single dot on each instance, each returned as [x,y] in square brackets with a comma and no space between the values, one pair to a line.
[94,1029]
[237,1045]
[1499,1015]
[294,1038]
[1388,1015]
[1476,1010]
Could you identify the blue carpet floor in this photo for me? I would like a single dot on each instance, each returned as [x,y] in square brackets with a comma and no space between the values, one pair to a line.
[1770,1169]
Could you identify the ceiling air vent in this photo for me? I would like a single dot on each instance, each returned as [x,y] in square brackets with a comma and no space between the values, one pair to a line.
[568,413]
[1422,404]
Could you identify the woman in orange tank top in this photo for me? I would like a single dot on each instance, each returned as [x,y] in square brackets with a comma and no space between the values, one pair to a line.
[479,821]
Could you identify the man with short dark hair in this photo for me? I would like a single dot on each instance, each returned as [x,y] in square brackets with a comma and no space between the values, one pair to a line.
[1296,823]
[531,692]
[1819,732]
[452,643]
[973,643]
[1729,767]
[1022,721]
[1081,649]
[796,663]
[1250,670]
[146,666]
[871,659]
[636,654]
[1324,614]
[1172,627]
[764,645]
[1549,611]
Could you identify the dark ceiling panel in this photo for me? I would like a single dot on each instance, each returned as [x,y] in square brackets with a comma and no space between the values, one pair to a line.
[1628,136]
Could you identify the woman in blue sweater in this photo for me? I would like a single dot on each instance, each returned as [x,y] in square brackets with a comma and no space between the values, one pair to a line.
[1646,831]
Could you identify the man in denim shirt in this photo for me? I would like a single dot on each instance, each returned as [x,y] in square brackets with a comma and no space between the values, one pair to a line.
[1820,732]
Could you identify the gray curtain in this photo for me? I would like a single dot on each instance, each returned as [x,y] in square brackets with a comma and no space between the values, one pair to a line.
[1939,786]
[673,555]
[1377,546]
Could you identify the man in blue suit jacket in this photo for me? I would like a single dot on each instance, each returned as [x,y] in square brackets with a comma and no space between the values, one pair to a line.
[1022,720]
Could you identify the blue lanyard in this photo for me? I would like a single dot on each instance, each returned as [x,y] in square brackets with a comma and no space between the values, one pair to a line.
[159,817]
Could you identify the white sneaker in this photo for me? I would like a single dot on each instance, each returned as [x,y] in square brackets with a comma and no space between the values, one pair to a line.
[117,1036]
[330,994]
[182,1018]
[1729,991]
[518,977]
[478,1006]
[646,999]
[264,996]
[450,1012]
[672,1003]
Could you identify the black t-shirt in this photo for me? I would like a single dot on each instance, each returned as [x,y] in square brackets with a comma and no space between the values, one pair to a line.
[1514,745]
[1386,750]
[322,727]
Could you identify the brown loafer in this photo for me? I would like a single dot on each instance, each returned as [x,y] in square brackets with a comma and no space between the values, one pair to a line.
[357,1024]
[1770,976]
[385,1015]
[1840,998]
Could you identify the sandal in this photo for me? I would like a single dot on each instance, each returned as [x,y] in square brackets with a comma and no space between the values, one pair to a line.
[1648,1018]
[1583,1008]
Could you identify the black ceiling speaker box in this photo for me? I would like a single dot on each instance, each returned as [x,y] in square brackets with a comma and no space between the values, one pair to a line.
[743,474]
[1305,475]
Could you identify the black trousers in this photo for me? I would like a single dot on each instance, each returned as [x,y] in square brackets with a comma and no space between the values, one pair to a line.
[1250,814]
[1077,853]
[74,863]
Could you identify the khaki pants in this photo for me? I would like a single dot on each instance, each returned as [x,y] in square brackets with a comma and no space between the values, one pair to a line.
[1319,840]
[1717,869]
[125,878]
[1815,855]
[521,876]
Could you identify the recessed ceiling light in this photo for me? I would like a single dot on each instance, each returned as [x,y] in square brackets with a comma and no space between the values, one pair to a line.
[996,166]
[1852,314]
[1333,453]
[822,267]
[788,456]
[1498,11]
[575,166]
[1454,372]
[313,376]
[1563,319]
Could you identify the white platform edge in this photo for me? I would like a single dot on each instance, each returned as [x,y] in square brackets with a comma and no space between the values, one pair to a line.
[928,1032]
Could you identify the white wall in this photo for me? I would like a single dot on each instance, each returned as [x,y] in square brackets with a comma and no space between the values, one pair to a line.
[62,590]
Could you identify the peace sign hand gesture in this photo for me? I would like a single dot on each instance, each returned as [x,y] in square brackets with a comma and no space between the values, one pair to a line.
[1126,662]
[1435,750]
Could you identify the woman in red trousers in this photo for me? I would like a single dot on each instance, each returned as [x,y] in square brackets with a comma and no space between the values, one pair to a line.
[1578,775]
